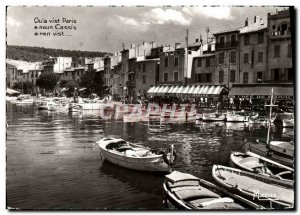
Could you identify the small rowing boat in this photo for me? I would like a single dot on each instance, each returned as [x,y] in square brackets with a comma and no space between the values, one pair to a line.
[133,156]
[257,164]
[185,191]
[259,188]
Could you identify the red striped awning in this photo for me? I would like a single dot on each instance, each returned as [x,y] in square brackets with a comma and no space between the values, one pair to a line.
[192,90]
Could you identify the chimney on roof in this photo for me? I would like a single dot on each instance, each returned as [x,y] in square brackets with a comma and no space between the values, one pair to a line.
[246,22]
[177,45]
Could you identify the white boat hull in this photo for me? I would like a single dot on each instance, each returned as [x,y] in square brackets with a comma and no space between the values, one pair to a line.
[237,118]
[288,123]
[152,163]
[141,164]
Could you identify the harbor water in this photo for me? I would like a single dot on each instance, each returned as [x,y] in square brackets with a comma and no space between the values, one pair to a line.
[53,161]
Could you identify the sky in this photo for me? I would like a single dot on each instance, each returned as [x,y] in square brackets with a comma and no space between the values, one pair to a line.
[105,29]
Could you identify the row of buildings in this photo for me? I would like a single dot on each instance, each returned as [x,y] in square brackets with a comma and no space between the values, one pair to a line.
[255,55]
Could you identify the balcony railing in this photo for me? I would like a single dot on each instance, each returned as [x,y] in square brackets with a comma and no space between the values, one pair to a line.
[280,34]
[227,45]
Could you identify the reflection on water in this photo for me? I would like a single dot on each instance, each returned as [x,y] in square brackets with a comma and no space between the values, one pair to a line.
[53,160]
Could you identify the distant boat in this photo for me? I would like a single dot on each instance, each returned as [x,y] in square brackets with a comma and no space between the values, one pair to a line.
[259,120]
[47,105]
[257,164]
[185,191]
[24,101]
[132,156]
[237,117]
[261,189]
[288,123]
[213,117]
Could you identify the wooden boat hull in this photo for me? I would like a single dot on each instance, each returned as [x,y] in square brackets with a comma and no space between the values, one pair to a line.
[261,150]
[187,193]
[282,147]
[262,189]
[254,163]
[152,163]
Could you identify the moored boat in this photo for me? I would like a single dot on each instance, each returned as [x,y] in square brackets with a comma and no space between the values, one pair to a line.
[257,164]
[262,189]
[267,151]
[185,191]
[283,147]
[237,117]
[47,105]
[132,156]
[288,123]
[213,117]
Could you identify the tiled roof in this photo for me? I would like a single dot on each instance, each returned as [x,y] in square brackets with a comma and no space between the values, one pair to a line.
[228,31]
[252,28]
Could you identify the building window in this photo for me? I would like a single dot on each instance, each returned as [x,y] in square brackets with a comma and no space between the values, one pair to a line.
[222,41]
[176,61]
[175,76]
[233,40]
[246,58]
[245,78]
[144,67]
[247,40]
[209,77]
[277,51]
[259,77]
[165,77]
[221,76]
[289,50]
[199,60]
[166,62]
[260,38]
[260,57]
[221,57]
[144,79]
[233,57]
[232,75]
[276,74]
[290,74]
[207,62]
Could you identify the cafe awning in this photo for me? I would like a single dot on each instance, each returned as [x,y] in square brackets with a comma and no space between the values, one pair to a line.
[262,90]
[191,90]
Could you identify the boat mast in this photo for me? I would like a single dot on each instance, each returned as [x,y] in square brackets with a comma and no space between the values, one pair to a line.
[270,116]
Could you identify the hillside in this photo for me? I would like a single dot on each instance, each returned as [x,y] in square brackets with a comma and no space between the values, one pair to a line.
[33,54]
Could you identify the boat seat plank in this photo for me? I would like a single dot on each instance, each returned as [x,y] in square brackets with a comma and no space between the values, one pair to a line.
[179,176]
[224,206]
[175,189]
[183,183]
[195,193]
[253,185]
